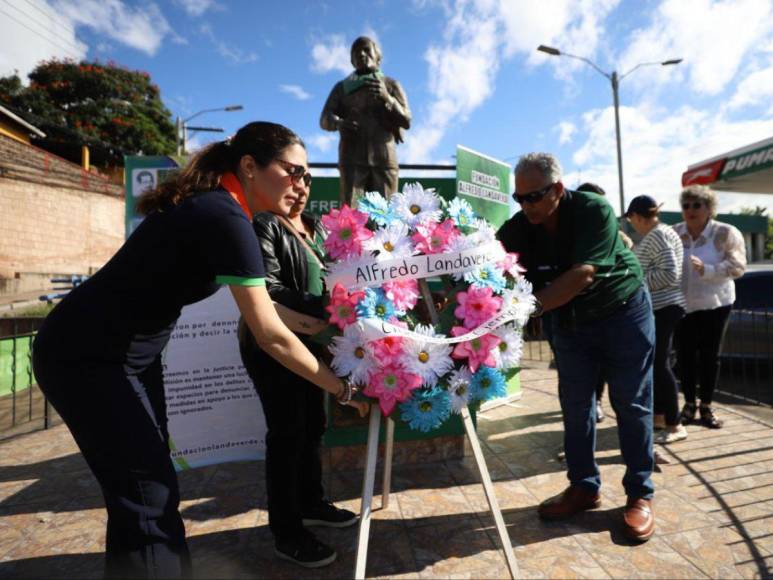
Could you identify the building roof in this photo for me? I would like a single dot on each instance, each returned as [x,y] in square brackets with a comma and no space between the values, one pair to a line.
[19,121]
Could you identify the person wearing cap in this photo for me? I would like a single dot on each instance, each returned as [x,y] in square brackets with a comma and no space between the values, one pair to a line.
[660,255]
[714,256]
[600,323]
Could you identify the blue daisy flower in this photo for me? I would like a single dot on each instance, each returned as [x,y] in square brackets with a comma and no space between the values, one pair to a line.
[376,305]
[377,208]
[461,212]
[426,409]
[487,383]
[487,276]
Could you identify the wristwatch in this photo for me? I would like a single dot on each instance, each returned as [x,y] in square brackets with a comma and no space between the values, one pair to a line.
[538,308]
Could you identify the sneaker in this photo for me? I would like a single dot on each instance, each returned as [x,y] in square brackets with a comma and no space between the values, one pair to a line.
[687,415]
[328,515]
[599,412]
[306,551]
[708,419]
[665,437]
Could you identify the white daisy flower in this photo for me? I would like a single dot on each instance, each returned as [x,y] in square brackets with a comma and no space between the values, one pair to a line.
[459,389]
[485,232]
[521,298]
[416,204]
[351,355]
[428,360]
[393,241]
[508,353]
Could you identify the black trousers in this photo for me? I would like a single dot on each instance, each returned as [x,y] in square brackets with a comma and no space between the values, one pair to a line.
[119,423]
[295,416]
[666,391]
[700,338]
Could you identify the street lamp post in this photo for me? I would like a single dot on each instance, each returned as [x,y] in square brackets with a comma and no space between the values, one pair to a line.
[182,127]
[614,80]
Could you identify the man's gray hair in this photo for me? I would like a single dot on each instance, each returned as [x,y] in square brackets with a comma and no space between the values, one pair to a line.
[545,163]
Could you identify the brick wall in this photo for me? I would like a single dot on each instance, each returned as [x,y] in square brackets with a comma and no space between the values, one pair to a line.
[55,218]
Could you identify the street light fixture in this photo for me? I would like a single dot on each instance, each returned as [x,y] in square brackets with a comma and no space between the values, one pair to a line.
[614,79]
[182,127]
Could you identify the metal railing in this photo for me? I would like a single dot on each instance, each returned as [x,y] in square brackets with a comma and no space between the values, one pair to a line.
[23,408]
[746,370]
[535,344]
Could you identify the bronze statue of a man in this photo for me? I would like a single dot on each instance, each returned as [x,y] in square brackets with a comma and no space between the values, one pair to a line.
[370,111]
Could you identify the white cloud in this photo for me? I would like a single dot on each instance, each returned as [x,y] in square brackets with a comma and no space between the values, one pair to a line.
[233,53]
[30,34]
[566,131]
[713,38]
[296,91]
[755,89]
[197,7]
[142,28]
[658,145]
[480,35]
[322,142]
[331,54]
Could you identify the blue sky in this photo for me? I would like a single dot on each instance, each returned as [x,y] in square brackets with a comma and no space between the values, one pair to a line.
[470,70]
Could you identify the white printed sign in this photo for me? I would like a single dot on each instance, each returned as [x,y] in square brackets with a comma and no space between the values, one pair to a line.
[214,413]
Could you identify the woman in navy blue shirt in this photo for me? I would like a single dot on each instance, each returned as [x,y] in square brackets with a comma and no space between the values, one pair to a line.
[98,356]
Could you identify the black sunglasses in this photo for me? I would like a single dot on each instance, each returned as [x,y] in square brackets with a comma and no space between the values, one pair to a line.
[694,205]
[532,196]
[296,172]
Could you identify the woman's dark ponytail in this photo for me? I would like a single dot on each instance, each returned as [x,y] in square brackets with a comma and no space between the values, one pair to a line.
[261,140]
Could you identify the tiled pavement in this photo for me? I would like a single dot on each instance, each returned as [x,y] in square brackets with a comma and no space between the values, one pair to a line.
[714,507]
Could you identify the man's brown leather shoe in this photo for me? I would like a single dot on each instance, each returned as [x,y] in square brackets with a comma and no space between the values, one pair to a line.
[639,519]
[574,499]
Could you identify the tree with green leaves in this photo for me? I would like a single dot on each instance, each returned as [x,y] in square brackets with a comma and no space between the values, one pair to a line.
[113,110]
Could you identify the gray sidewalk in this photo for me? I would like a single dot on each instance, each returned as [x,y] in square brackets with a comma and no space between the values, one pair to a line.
[714,508]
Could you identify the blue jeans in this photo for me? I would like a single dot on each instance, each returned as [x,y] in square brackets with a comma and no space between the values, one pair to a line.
[620,348]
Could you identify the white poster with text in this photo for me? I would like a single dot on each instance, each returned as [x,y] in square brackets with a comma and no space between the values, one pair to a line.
[214,413]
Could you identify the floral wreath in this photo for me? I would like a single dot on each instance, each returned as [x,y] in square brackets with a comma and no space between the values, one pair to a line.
[382,311]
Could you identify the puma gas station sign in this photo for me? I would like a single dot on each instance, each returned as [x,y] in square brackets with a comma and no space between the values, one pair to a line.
[748,169]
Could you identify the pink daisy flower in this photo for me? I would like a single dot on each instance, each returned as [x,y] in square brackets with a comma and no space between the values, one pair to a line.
[511,265]
[391,384]
[432,238]
[347,232]
[388,350]
[342,306]
[403,293]
[476,306]
[478,351]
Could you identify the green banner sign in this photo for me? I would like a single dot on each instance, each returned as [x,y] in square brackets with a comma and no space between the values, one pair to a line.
[485,183]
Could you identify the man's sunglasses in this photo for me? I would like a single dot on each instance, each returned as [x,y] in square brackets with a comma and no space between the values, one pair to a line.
[532,196]
[296,172]
[693,205]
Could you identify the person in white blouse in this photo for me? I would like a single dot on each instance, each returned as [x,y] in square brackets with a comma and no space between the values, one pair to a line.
[714,256]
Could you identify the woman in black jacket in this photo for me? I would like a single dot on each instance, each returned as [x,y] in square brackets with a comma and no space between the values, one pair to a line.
[292,248]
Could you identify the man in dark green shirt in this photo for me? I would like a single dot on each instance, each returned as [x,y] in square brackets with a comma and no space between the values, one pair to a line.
[599,322]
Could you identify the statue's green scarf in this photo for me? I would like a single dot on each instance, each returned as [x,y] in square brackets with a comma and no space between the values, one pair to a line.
[355,81]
